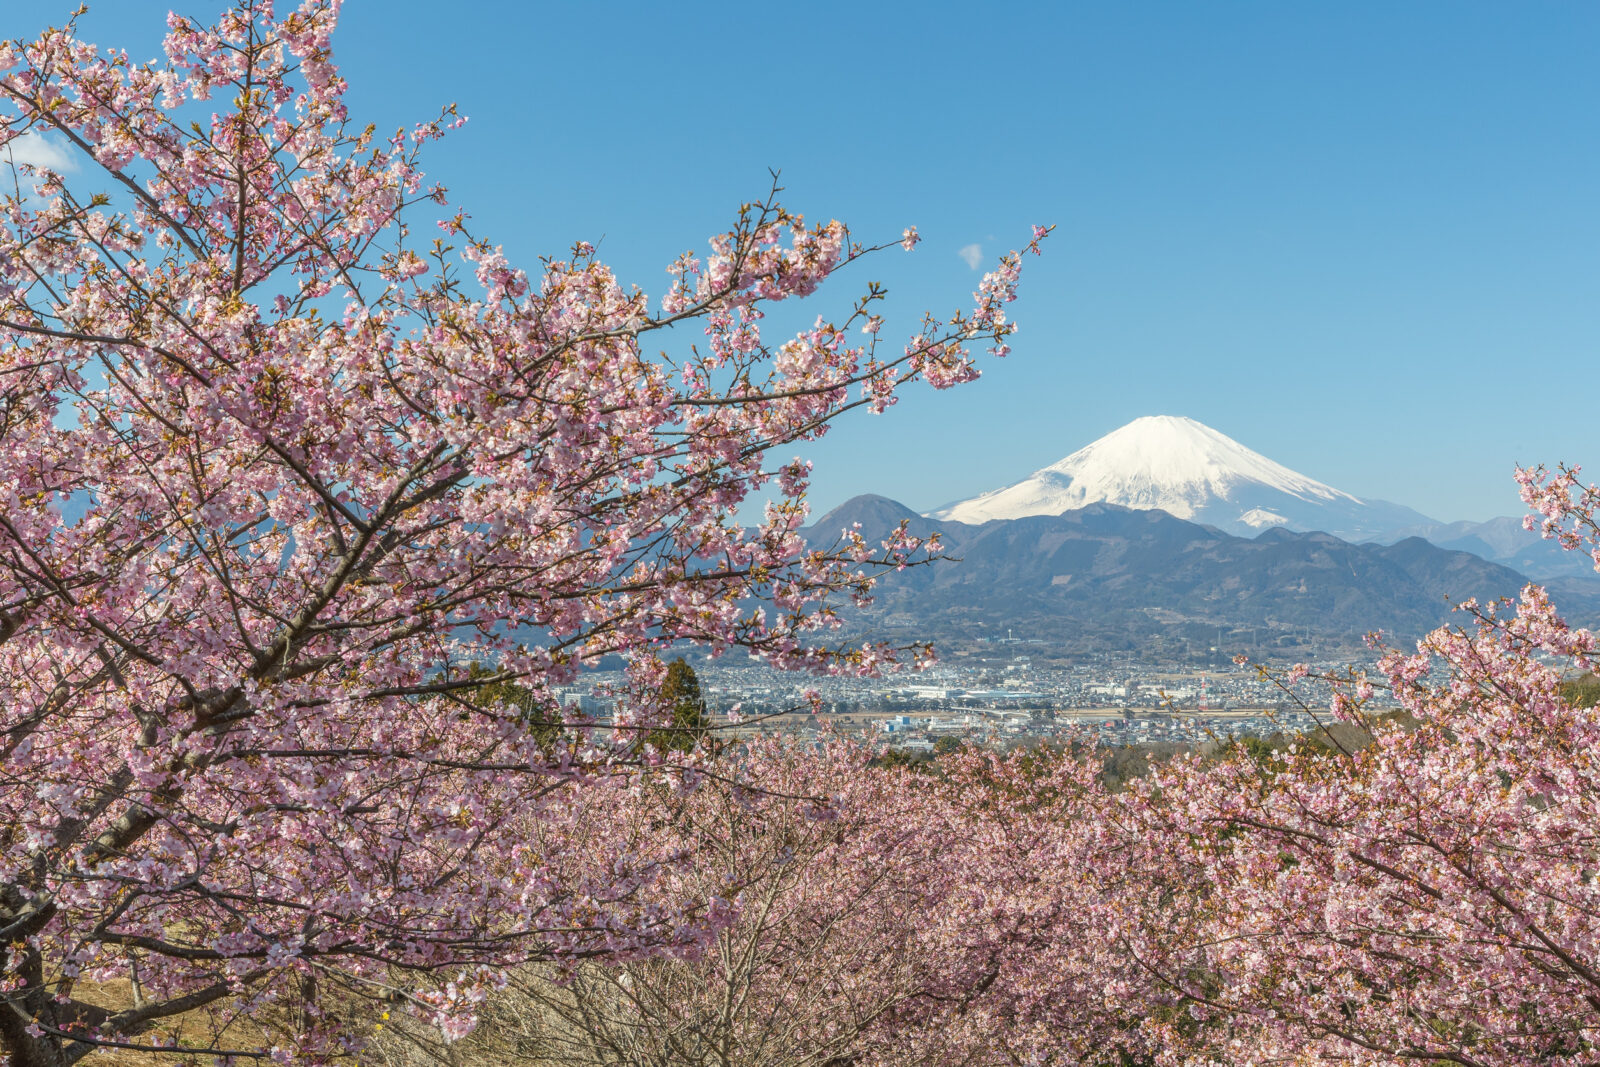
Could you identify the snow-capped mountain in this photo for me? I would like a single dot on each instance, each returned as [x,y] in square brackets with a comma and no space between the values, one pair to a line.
[1189,470]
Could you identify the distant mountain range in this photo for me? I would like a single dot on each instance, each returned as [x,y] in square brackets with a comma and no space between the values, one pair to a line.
[1506,541]
[1191,471]
[1167,534]
[1105,577]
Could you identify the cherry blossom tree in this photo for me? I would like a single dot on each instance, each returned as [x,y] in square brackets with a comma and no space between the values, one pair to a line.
[830,872]
[287,474]
[1046,881]
[975,914]
[1430,897]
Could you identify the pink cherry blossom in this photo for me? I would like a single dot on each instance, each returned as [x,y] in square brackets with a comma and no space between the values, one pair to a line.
[287,488]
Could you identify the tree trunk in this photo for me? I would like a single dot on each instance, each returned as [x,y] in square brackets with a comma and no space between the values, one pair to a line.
[18,1048]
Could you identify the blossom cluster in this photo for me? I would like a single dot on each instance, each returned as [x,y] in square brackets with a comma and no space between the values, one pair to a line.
[311,501]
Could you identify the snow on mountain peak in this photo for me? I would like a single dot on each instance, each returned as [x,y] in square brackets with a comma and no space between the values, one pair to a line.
[1186,469]
[1180,461]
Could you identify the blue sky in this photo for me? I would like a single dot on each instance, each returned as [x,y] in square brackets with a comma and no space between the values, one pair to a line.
[1361,238]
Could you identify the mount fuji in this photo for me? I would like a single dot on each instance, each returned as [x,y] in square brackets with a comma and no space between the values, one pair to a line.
[1190,471]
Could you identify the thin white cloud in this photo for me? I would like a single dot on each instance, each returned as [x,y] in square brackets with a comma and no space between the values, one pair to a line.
[35,150]
[38,150]
[973,254]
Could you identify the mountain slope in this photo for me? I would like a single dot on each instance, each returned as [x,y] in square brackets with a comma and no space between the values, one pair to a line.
[1505,541]
[1108,577]
[1190,471]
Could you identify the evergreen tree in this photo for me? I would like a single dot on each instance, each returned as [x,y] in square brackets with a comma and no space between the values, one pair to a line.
[543,721]
[690,721]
